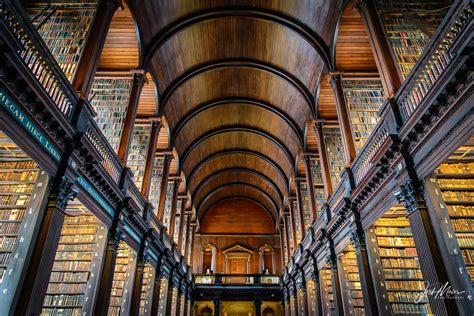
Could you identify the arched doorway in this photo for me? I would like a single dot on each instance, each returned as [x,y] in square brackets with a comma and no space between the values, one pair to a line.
[268,311]
[206,311]
[208,256]
[267,260]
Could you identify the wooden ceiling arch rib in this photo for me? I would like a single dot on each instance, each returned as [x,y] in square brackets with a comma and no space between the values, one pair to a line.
[239,63]
[237,100]
[236,174]
[275,171]
[233,189]
[257,13]
[238,129]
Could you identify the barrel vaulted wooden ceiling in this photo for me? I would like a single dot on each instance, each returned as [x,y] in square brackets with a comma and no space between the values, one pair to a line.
[238,85]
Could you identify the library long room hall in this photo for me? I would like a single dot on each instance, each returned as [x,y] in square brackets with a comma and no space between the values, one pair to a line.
[236,158]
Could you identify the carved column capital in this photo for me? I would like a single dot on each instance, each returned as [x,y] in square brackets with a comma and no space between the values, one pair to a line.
[410,194]
[358,239]
[63,192]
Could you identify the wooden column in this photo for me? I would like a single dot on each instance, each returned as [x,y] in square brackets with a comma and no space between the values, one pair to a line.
[285,223]
[108,266]
[138,280]
[31,296]
[336,286]
[343,118]
[323,159]
[164,187]
[169,298]
[157,286]
[386,64]
[310,183]
[433,269]
[187,231]
[190,254]
[291,216]
[174,202]
[317,290]
[299,200]
[257,303]
[181,223]
[282,246]
[365,275]
[150,158]
[217,307]
[87,66]
[130,116]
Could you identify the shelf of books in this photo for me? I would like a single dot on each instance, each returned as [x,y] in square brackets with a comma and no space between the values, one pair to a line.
[395,263]
[177,221]
[305,202]
[76,269]
[455,178]
[138,151]
[350,282]
[163,296]
[63,26]
[335,153]
[155,185]
[123,281]
[22,190]
[364,98]
[290,236]
[326,291]
[109,98]
[174,301]
[146,296]
[318,185]
[296,218]
[169,198]
[311,292]
[409,26]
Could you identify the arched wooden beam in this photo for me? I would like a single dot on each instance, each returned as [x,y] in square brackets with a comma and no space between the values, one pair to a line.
[243,184]
[244,151]
[237,11]
[240,100]
[235,197]
[237,128]
[237,170]
[237,63]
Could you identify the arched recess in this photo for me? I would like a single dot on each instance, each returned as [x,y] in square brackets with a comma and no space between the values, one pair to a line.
[263,15]
[239,63]
[241,189]
[246,175]
[237,138]
[267,260]
[208,258]
[242,158]
[233,82]
[231,112]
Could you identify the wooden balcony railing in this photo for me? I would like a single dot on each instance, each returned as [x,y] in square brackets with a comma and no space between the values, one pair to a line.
[236,279]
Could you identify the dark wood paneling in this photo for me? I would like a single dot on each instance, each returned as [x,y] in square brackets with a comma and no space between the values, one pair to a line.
[237,216]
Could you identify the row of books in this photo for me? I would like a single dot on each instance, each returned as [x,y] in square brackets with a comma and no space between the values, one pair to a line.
[351,281]
[327,293]
[395,241]
[147,289]
[456,183]
[64,31]
[401,276]
[72,270]
[17,180]
[122,278]
[110,98]
[335,153]
[458,196]
[9,199]
[138,151]
[461,224]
